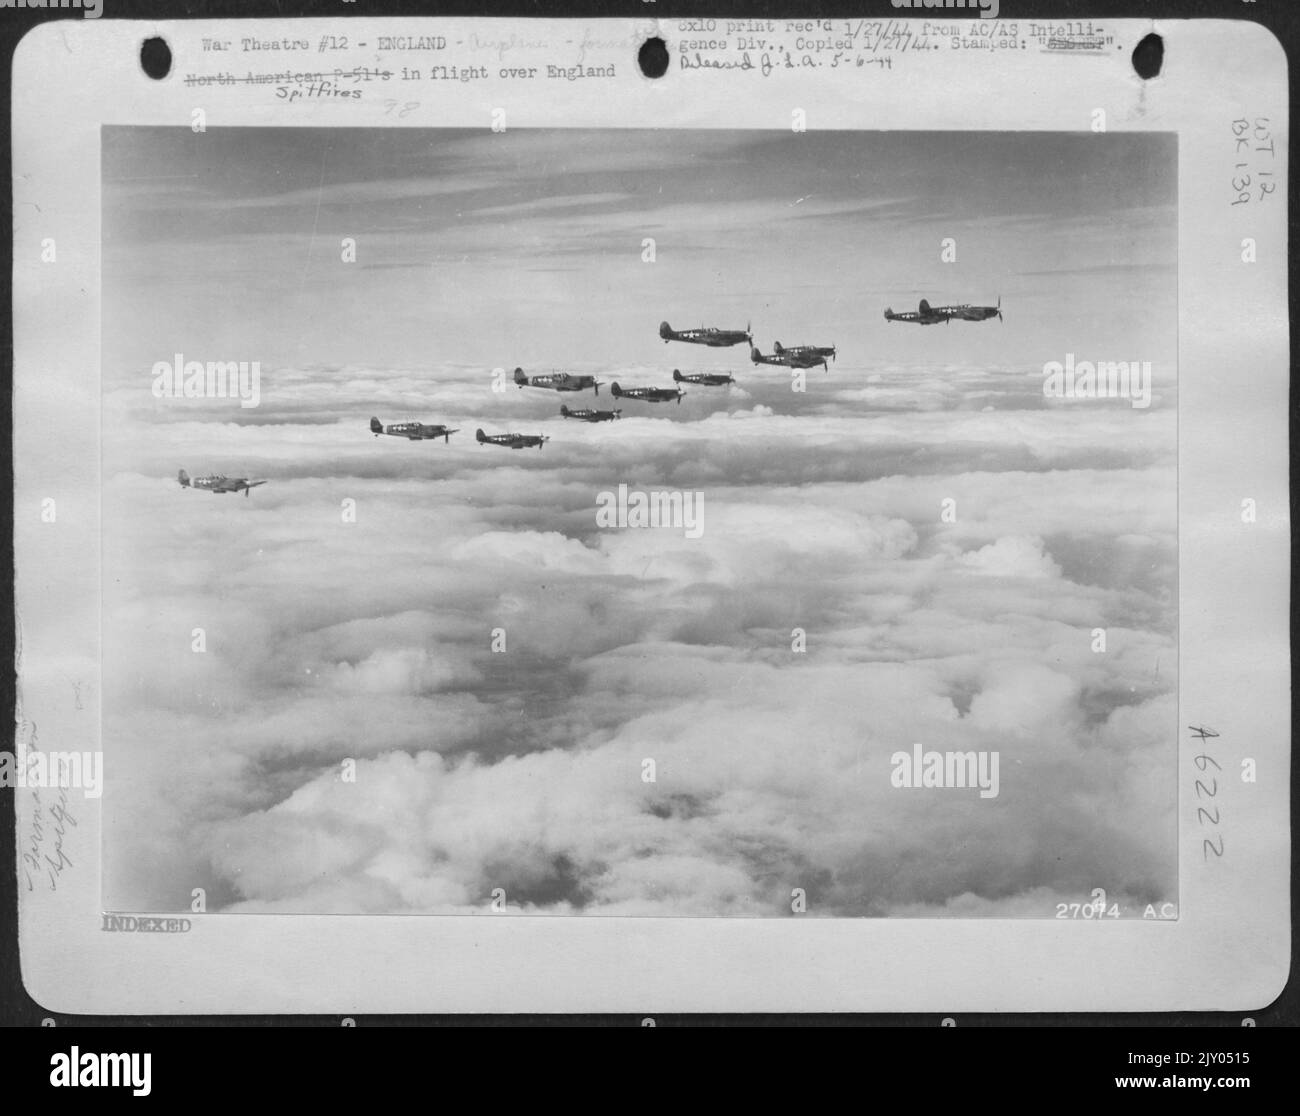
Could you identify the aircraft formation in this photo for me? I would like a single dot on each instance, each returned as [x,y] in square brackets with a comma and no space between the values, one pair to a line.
[796,356]
[933,315]
[801,356]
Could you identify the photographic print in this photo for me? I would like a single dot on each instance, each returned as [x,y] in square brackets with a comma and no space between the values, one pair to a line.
[801,527]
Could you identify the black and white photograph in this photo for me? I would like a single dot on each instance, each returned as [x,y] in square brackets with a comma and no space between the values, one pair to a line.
[503,529]
[625,522]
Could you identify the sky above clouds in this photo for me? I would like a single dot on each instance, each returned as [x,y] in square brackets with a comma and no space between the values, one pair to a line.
[370,641]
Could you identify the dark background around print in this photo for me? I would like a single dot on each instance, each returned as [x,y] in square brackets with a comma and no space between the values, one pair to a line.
[18,1010]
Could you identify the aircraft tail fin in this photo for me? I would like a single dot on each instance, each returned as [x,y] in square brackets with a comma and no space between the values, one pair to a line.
[755,355]
[665,331]
[479,436]
[376,427]
[520,378]
[564,410]
[677,376]
[615,390]
[925,307]
[184,478]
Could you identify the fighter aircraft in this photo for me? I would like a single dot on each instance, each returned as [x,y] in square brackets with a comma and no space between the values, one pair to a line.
[588,415]
[511,441]
[415,431]
[218,484]
[801,356]
[704,379]
[558,381]
[706,335]
[933,315]
[805,356]
[648,394]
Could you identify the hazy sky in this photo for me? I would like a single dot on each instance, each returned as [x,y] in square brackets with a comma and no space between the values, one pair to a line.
[525,247]
[370,641]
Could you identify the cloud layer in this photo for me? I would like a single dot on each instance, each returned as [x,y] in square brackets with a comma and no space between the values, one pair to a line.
[349,740]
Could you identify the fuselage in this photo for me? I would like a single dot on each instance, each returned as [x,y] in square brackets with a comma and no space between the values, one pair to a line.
[648,394]
[971,313]
[926,314]
[704,379]
[557,381]
[815,353]
[413,431]
[510,441]
[705,335]
[586,414]
[793,358]
[217,483]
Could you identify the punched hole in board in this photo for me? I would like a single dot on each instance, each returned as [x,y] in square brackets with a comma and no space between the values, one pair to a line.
[653,57]
[1149,56]
[156,58]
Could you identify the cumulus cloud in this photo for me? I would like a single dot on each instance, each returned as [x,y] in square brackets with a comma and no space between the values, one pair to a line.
[459,688]
[1013,556]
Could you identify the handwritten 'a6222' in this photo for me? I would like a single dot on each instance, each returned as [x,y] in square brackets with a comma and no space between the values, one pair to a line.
[1206,793]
